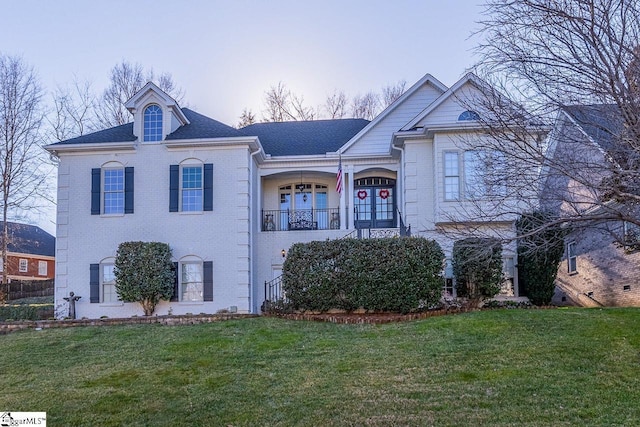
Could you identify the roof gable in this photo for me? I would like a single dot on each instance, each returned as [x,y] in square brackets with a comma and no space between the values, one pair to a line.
[376,137]
[452,95]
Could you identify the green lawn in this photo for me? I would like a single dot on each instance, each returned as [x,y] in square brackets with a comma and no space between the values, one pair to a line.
[505,367]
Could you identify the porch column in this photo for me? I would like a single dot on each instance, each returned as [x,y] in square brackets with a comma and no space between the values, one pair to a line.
[350,186]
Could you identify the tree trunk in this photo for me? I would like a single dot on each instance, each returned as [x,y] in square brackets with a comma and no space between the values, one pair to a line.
[148,306]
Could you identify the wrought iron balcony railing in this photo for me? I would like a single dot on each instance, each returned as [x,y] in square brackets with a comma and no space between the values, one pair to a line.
[304,219]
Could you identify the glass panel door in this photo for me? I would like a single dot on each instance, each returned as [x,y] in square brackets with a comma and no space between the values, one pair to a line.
[363,207]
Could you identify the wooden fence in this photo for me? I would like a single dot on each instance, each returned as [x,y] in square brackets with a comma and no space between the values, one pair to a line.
[28,289]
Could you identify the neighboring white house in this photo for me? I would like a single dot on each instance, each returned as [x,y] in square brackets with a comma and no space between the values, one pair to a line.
[230,202]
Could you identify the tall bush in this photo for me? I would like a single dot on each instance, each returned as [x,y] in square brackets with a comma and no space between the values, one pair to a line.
[396,275]
[144,273]
[477,267]
[540,249]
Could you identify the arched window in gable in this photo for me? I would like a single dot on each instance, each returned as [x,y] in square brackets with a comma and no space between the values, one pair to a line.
[468,115]
[152,123]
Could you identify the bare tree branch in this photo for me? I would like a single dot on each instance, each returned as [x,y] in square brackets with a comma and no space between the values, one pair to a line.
[22,167]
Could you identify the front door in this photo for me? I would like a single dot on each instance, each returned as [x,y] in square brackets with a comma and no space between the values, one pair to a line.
[374,203]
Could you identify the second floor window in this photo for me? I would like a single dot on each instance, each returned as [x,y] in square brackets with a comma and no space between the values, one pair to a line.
[191,189]
[113,191]
[42,268]
[451,176]
[152,124]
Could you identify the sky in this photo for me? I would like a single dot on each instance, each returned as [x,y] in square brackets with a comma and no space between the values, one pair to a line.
[226,54]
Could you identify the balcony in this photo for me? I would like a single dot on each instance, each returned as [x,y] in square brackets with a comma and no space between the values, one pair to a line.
[305,219]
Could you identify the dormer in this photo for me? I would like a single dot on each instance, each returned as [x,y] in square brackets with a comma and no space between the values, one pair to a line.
[155,114]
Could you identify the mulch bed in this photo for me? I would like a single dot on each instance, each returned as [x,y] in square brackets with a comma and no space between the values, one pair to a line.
[366,318]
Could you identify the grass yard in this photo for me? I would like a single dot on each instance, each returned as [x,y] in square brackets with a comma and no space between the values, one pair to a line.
[557,367]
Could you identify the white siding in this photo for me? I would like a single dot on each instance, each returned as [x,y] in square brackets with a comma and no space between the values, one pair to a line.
[378,139]
[450,109]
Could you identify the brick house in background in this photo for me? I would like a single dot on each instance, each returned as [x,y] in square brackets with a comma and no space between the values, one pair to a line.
[601,265]
[30,253]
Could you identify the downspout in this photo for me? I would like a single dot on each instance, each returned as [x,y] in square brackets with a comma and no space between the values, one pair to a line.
[253,309]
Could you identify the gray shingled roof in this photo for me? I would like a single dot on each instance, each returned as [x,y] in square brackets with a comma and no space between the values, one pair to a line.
[199,127]
[122,133]
[202,127]
[602,122]
[277,138]
[304,137]
[30,239]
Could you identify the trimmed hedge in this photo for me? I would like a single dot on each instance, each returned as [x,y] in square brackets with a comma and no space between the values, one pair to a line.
[392,275]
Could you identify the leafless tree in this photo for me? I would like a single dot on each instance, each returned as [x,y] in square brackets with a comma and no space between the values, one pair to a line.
[570,66]
[336,105]
[246,118]
[125,80]
[281,105]
[365,106]
[23,171]
[74,110]
[392,92]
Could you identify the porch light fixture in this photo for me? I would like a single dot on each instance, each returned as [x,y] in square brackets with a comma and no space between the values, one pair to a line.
[284,253]
[300,187]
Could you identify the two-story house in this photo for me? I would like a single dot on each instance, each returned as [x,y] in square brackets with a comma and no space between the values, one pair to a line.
[230,202]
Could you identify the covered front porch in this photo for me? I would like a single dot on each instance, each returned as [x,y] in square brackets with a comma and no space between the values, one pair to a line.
[308,200]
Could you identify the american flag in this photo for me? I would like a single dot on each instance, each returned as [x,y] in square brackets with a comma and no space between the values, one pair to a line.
[339,177]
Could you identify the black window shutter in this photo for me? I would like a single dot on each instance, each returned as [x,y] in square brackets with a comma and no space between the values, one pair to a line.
[95,191]
[174,297]
[94,282]
[207,282]
[208,187]
[174,183]
[128,190]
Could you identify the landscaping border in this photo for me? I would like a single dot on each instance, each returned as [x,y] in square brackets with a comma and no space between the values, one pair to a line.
[7,327]
[367,318]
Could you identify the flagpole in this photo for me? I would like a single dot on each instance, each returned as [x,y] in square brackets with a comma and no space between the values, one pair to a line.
[342,193]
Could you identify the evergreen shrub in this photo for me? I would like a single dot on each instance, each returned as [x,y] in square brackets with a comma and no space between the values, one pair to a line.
[391,275]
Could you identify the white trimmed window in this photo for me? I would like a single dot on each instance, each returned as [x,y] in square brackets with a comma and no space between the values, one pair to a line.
[42,268]
[191,188]
[152,123]
[483,174]
[113,190]
[191,282]
[451,175]
[23,265]
[1,264]
[108,282]
[572,258]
